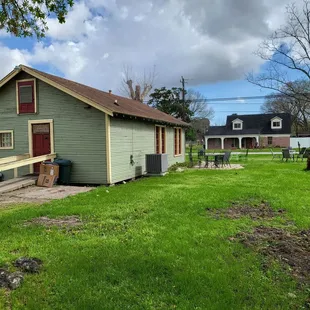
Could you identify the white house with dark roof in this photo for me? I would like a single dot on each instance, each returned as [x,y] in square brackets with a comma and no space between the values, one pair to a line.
[248,131]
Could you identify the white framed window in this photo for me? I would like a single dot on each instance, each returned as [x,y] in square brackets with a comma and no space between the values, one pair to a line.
[160,139]
[237,124]
[276,123]
[26,99]
[6,140]
[177,141]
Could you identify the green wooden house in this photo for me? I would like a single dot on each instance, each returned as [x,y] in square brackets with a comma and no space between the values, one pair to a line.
[105,136]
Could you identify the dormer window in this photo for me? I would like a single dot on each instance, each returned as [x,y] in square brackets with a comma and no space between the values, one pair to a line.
[26,96]
[276,123]
[237,124]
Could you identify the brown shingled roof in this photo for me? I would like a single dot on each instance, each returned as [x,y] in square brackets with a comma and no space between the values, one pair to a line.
[106,100]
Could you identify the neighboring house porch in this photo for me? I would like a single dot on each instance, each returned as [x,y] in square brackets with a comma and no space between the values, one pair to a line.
[249,131]
[229,142]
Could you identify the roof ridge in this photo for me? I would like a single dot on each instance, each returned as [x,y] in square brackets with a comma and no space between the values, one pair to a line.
[237,115]
[71,81]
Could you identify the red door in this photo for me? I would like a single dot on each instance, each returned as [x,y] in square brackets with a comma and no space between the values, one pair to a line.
[41,142]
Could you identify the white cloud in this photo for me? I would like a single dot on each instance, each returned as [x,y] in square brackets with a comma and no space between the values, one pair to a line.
[77,24]
[3,33]
[139,18]
[9,58]
[204,40]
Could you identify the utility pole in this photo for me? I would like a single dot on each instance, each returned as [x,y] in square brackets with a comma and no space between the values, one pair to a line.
[183,81]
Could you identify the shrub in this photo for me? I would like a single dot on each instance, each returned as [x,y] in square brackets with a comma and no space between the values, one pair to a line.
[181,165]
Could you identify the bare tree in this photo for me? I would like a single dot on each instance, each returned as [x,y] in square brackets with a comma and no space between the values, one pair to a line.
[297,105]
[287,50]
[137,87]
[199,105]
[202,113]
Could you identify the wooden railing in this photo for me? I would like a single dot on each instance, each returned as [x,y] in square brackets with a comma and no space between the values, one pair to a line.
[10,159]
[14,162]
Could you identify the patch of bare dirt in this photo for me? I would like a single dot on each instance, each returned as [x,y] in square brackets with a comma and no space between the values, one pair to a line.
[67,221]
[256,211]
[290,249]
[40,195]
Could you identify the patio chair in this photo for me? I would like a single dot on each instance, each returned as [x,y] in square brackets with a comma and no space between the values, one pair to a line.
[244,156]
[218,160]
[190,155]
[301,154]
[287,155]
[206,160]
[226,159]
[274,155]
[201,154]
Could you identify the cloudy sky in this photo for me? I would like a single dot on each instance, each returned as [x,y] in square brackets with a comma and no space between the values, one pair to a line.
[209,42]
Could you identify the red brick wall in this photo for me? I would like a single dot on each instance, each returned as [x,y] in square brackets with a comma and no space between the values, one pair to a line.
[276,141]
[229,142]
[214,143]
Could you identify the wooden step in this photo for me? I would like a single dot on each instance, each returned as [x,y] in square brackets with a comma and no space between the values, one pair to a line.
[17,183]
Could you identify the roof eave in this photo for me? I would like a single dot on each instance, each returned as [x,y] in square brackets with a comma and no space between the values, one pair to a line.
[67,91]
[9,76]
[152,120]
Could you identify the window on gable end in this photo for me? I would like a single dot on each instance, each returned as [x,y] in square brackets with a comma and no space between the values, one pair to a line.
[237,126]
[26,97]
[276,124]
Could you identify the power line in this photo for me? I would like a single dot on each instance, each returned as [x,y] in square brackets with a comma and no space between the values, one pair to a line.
[207,100]
[242,98]
[229,103]
[239,111]
[235,103]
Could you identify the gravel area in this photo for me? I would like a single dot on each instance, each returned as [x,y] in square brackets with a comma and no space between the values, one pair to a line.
[226,167]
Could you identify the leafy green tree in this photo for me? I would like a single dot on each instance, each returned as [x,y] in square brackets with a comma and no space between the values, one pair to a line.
[193,110]
[170,101]
[28,18]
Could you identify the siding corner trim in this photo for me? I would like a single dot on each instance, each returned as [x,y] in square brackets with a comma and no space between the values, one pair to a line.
[108,148]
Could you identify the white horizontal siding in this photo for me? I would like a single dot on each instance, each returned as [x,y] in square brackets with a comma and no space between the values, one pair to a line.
[129,137]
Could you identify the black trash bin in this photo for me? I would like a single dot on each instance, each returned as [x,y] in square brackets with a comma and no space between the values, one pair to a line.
[64,170]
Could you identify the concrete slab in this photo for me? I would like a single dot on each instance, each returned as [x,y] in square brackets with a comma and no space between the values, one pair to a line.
[39,195]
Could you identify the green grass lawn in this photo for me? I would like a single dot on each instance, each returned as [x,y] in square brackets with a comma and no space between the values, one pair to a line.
[149,244]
